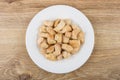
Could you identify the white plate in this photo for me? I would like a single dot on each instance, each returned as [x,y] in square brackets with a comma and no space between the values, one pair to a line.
[66,65]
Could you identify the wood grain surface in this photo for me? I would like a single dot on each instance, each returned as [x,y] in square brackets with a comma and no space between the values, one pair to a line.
[104,63]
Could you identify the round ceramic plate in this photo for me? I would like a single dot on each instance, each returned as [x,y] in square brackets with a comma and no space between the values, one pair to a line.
[65,65]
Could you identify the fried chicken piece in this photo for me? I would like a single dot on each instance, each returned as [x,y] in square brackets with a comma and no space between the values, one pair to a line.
[44,35]
[40,39]
[74,26]
[81,37]
[68,34]
[57,50]
[66,54]
[65,39]
[50,39]
[50,56]
[48,23]
[58,37]
[43,50]
[60,26]
[74,43]
[50,30]
[44,44]
[66,29]
[68,21]
[56,22]
[67,47]
[42,29]
[50,49]
[59,57]
[75,50]
[75,33]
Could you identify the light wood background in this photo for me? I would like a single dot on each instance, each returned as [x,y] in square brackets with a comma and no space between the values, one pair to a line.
[104,63]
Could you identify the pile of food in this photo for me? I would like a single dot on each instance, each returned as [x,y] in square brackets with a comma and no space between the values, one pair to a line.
[59,39]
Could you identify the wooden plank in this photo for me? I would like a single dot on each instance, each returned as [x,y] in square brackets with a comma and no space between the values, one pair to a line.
[104,63]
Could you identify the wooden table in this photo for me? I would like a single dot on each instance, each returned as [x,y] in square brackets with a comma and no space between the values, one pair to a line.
[104,63]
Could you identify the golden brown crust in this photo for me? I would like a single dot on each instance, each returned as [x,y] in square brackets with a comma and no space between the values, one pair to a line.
[59,39]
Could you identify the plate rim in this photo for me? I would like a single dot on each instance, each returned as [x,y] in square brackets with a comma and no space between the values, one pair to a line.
[89,52]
